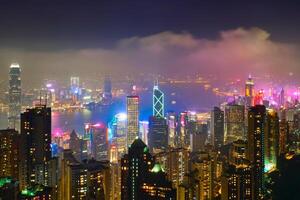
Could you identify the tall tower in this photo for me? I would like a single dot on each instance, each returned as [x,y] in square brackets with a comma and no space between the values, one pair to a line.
[158,102]
[249,91]
[35,150]
[14,96]
[256,134]
[132,119]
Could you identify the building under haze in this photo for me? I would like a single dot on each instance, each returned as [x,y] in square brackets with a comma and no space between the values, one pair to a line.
[35,150]
[14,96]
[132,118]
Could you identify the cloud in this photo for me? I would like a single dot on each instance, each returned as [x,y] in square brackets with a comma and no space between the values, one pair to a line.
[234,53]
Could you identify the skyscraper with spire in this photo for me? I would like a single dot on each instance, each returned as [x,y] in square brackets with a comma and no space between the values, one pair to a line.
[158,101]
[249,91]
[14,92]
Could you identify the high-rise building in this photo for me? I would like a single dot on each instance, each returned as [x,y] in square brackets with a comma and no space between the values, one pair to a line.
[172,126]
[234,123]
[271,140]
[205,166]
[141,177]
[14,93]
[158,134]
[237,155]
[9,153]
[183,138]
[132,118]
[175,161]
[249,91]
[107,94]
[158,102]
[256,134]
[236,183]
[75,88]
[217,127]
[118,129]
[144,131]
[87,180]
[35,149]
[97,141]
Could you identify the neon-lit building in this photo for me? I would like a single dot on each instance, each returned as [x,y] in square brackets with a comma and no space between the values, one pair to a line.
[97,135]
[158,102]
[132,119]
[144,131]
[271,140]
[249,91]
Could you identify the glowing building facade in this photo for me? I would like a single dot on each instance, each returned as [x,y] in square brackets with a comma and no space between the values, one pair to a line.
[132,119]
[14,94]
[234,123]
[158,102]
[249,91]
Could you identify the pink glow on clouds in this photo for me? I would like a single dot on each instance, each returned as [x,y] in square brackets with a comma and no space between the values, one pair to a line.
[235,53]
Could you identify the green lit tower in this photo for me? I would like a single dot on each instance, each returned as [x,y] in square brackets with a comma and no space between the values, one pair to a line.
[158,101]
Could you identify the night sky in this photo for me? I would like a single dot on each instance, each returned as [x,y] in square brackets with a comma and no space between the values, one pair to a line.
[63,38]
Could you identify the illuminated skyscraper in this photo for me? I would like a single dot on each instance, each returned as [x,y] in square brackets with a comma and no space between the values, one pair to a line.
[75,88]
[132,119]
[271,140]
[158,102]
[172,125]
[158,134]
[9,153]
[217,127]
[234,123]
[14,93]
[249,91]
[35,150]
[256,134]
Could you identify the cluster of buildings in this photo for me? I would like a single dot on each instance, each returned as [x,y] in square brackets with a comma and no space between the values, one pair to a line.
[228,153]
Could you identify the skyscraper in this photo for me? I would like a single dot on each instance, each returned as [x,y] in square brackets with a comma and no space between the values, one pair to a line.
[141,177]
[14,92]
[35,150]
[217,127]
[249,91]
[158,134]
[158,102]
[132,118]
[172,126]
[256,134]
[9,153]
[271,140]
[234,123]
[107,94]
